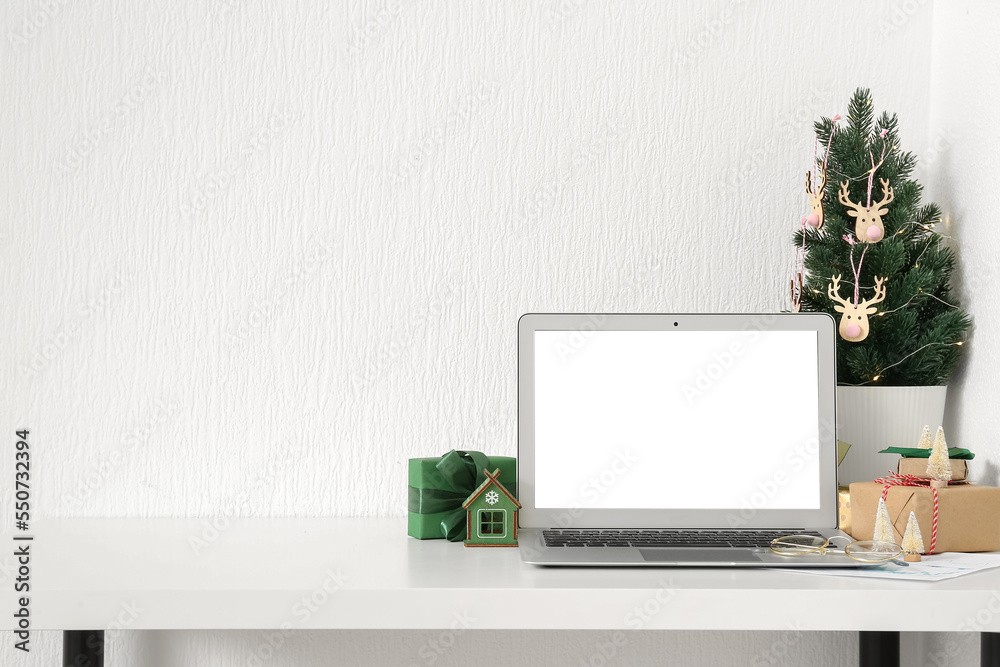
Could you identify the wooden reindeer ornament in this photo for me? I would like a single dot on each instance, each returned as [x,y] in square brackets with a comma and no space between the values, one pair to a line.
[868,225]
[816,218]
[796,291]
[798,274]
[854,319]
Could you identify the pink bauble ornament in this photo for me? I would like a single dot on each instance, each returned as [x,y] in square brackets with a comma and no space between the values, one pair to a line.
[852,330]
[812,220]
[874,233]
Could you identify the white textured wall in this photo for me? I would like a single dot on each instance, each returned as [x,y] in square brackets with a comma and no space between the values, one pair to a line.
[257,254]
[961,165]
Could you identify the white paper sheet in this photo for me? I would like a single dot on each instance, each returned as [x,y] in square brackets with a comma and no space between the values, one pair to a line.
[932,568]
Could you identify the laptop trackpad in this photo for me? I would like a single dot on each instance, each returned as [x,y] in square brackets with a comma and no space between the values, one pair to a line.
[699,555]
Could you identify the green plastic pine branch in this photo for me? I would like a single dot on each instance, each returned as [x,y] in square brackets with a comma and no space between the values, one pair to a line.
[915,334]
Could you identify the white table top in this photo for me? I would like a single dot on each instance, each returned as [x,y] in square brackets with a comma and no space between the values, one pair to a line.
[366,573]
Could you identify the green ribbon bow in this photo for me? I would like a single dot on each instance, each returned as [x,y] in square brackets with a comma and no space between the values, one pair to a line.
[463,472]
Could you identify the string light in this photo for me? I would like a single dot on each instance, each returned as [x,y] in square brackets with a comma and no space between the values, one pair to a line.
[850,178]
[950,305]
[922,347]
[877,377]
[882,313]
[848,282]
[929,227]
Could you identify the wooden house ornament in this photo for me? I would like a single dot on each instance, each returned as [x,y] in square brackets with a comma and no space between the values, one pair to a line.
[491,514]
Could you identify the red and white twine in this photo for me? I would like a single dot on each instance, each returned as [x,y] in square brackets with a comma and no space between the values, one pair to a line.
[895,479]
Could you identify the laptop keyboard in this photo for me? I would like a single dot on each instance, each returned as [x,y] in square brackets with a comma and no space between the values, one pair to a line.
[664,538]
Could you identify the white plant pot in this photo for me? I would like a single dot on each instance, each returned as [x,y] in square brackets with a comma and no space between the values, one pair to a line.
[873,418]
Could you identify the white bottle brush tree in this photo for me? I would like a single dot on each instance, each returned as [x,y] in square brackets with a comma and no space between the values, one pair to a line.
[883,524]
[925,438]
[913,542]
[939,465]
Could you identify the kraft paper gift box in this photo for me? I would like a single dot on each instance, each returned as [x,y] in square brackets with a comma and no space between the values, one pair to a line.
[968,514]
[439,485]
[918,468]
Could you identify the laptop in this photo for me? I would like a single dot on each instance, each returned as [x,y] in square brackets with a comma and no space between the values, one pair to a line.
[676,440]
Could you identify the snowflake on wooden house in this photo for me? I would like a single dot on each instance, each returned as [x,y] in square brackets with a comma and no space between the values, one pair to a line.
[491,514]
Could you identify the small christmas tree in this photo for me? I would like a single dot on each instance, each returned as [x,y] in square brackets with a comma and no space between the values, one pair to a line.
[913,542]
[939,440]
[883,524]
[939,465]
[925,438]
[874,240]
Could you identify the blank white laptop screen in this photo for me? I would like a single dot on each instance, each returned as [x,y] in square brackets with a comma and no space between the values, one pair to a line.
[676,419]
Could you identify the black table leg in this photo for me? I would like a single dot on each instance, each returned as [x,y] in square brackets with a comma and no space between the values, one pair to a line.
[878,649]
[83,648]
[989,655]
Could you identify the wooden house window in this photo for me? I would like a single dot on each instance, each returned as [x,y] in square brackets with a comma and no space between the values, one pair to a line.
[492,523]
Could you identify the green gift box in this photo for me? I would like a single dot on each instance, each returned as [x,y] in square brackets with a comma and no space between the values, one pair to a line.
[440,484]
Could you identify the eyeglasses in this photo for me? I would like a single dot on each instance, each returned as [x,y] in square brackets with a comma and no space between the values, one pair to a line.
[866,551]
